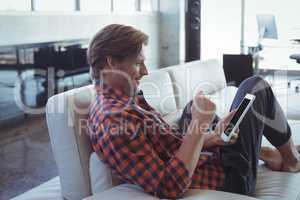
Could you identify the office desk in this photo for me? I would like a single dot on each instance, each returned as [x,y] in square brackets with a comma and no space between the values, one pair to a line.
[36,45]
[51,60]
[277,58]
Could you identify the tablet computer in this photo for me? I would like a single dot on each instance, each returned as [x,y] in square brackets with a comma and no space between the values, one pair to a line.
[238,117]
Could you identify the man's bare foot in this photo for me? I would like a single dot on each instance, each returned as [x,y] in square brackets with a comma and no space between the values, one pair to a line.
[291,168]
[295,167]
[272,158]
[291,156]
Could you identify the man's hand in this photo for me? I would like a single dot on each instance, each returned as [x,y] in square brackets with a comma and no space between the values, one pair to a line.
[203,110]
[214,138]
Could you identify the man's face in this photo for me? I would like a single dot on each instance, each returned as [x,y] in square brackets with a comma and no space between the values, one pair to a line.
[129,73]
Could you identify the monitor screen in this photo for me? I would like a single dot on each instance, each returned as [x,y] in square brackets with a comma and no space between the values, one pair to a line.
[267,26]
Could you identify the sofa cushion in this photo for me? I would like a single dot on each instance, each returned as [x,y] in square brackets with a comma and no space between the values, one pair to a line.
[100,175]
[124,192]
[270,186]
[158,91]
[189,78]
[128,192]
[196,194]
[273,185]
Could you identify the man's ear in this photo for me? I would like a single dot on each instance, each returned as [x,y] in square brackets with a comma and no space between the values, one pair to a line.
[110,62]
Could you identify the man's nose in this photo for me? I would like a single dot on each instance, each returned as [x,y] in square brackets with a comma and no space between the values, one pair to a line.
[144,70]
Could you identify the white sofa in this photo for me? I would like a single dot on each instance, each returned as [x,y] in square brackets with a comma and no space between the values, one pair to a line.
[82,175]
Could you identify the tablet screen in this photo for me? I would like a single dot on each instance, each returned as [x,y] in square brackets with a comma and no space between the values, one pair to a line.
[236,116]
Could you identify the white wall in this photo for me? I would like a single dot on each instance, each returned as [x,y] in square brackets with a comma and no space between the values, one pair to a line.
[26,27]
[220,28]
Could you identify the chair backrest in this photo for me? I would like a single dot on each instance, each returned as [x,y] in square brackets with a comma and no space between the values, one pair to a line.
[295,57]
[237,68]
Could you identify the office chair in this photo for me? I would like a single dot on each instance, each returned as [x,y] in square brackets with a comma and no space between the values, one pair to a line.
[295,57]
[237,68]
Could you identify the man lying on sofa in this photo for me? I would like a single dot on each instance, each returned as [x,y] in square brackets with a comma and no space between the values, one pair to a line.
[141,148]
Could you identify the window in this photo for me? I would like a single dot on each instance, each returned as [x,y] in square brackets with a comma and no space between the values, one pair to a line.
[54,5]
[15,5]
[146,5]
[124,5]
[95,5]
[85,5]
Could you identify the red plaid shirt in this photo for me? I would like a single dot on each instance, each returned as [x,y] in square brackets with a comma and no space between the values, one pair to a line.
[139,146]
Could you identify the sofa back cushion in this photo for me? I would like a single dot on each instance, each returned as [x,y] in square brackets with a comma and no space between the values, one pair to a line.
[101,179]
[158,91]
[66,119]
[189,78]
[101,176]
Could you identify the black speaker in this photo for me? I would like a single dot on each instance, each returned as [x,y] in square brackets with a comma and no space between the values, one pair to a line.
[193,30]
[237,68]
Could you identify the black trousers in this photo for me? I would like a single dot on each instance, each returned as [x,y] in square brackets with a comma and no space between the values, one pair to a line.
[240,160]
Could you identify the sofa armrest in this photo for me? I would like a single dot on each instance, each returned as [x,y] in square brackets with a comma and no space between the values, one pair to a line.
[129,192]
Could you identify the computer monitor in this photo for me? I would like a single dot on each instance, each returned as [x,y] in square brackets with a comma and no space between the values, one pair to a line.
[267,26]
